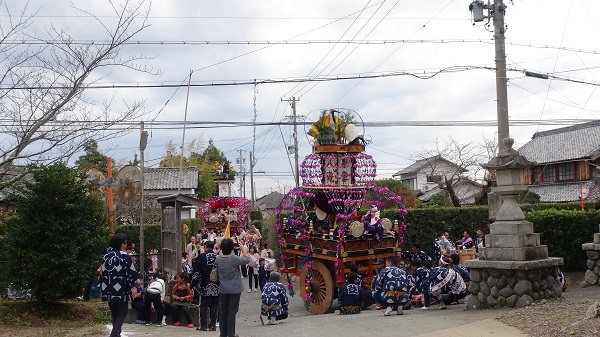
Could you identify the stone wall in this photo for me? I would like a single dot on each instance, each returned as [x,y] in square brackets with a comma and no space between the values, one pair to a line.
[496,288]
[592,275]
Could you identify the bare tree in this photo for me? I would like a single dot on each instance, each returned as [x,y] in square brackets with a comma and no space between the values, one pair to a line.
[451,162]
[45,115]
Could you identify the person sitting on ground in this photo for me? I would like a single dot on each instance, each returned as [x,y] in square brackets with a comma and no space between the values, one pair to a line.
[350,297]
[443,281]
[391,287]
[182,295]
[464,274]
[419,275]
[274,298]
[360,279]
[414,253]
[137,300]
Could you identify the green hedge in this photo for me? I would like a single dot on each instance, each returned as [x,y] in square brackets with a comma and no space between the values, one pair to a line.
[152,233]
[563,231]
[423,224]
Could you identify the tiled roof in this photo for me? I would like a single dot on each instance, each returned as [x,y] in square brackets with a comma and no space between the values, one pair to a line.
[419,164]
[565,192]
[165,178]
[580,141]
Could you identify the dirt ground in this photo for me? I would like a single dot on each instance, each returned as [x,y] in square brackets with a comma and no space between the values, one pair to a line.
[561,317]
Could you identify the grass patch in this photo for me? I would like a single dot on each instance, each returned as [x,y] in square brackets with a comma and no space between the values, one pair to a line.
[53,319]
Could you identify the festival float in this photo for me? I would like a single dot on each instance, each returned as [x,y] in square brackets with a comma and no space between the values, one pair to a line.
[333,220]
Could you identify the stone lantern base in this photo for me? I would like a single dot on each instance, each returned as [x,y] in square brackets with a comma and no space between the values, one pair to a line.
[497,284]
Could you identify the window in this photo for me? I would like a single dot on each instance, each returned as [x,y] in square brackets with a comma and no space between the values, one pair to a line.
[535,175]
[434,179]
[548,174]
[565,171]
[409,182]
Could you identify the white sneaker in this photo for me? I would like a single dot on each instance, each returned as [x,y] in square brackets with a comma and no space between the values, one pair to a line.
[387,311]
[271,321]
[249,290]
[255,290]
[217,325]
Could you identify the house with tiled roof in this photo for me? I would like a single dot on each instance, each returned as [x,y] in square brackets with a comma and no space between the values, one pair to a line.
[566,162]
[424,174]
[161,181]
[467,191]
[164,181]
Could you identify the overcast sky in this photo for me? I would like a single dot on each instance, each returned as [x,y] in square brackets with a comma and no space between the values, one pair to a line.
[558,37]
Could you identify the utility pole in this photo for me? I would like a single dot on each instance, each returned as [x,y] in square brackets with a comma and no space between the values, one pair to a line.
[501,91]
[497,10]
[143,143]
[251,181]
[241,161]
[293,101]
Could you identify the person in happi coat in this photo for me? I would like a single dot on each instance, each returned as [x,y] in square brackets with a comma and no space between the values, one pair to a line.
[442,282]
[274,298]
[350,295]
[391,287]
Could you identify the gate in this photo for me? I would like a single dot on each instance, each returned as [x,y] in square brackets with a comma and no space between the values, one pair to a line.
[171,230]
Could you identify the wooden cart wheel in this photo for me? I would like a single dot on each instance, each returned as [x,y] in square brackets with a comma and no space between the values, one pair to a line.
[322,287]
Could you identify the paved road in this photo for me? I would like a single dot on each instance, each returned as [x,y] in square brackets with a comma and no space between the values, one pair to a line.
[454,321]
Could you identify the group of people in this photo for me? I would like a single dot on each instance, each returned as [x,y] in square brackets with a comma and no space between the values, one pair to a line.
[218,299]
[442,280]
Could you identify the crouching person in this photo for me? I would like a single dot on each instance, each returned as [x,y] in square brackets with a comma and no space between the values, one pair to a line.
[350,296]
[275,302]
[391,288]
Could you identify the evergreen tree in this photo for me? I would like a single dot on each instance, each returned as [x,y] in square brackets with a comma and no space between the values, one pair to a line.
[56,237]
[92,158]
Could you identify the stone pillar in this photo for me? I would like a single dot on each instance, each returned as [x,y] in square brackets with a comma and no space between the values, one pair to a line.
[592,275]
[514,268]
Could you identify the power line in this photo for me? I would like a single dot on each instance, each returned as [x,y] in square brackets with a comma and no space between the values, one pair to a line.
[291,42]
[166,125]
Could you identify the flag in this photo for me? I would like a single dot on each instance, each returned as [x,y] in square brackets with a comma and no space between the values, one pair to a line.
[228,231]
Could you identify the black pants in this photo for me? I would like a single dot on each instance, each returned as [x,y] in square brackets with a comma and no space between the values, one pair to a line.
[140,309]
[118,311]
[177,309]
[153,299]
[229,304]
[211,304]
[251,276]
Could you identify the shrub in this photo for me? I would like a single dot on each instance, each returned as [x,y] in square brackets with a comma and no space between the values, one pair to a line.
[563,231]
[57,235]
